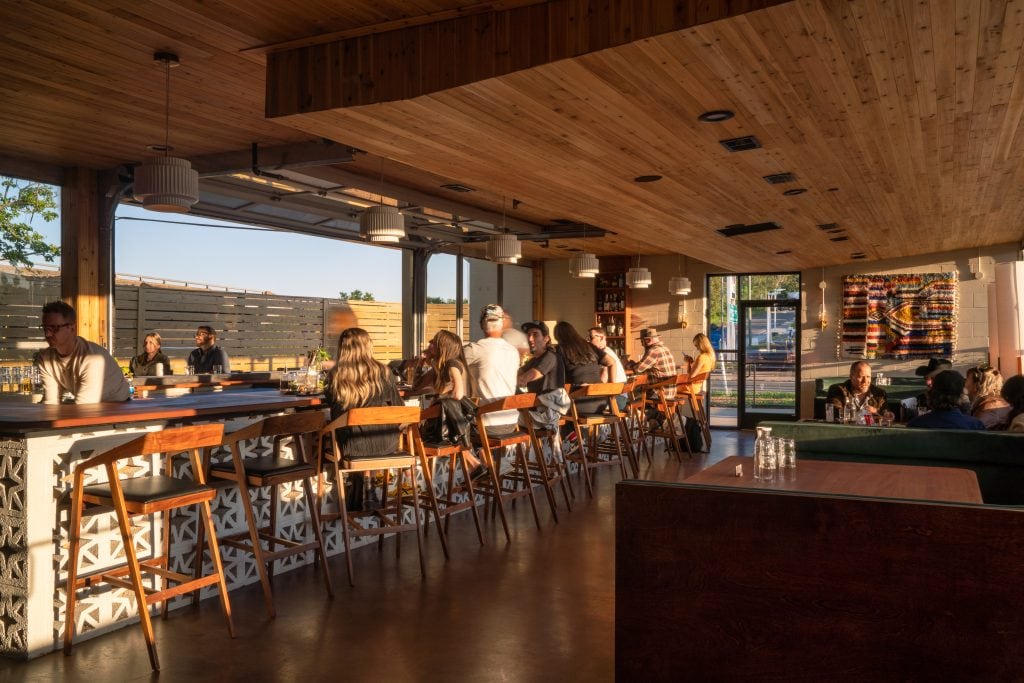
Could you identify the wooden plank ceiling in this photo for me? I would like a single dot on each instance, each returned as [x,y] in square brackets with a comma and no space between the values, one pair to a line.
[899,119]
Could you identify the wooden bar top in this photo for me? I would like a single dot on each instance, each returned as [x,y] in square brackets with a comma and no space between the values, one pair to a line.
[16,418]
[910,482]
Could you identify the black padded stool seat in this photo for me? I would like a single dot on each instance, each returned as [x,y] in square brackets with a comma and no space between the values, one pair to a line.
[266,466]
[150,490]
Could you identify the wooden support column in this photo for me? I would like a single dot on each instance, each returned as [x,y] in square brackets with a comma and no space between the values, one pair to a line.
[86,263]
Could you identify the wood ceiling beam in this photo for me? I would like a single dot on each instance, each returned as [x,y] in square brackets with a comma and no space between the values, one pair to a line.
[416,60]
[298,155]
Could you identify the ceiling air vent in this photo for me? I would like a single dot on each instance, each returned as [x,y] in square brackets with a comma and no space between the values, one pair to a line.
[455,187]
[838,239]
[740,144]
[858,255]
[741,229]
[827,226]
[784,252]
[780,178]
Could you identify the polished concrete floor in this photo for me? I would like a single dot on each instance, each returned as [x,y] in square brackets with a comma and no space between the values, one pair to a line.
[538,609]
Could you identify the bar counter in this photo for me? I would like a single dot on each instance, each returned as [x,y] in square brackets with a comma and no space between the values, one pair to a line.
[39,448]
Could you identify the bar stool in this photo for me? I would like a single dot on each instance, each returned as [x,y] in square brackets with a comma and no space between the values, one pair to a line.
[696,403]
[553,470]
[143,496]
[271,471]
[666,405]
[405,420]
[520,440]
[587,456]
[636,419]
[448,505]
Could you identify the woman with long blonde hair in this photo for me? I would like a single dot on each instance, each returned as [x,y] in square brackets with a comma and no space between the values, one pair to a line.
[704,363]
[983,385]
[358,380]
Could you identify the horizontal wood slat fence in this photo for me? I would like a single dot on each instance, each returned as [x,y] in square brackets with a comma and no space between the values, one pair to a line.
[259,331]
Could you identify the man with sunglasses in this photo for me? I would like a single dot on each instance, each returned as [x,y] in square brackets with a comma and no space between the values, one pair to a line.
[207,357]
[72,369]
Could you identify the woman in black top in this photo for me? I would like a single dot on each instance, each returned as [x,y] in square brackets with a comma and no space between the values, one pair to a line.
[584,364]
[360,381]
[144,364]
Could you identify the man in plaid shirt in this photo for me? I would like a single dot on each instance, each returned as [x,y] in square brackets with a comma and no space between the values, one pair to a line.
[657,361]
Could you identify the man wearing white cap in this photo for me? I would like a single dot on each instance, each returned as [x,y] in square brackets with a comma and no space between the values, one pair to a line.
[493,363]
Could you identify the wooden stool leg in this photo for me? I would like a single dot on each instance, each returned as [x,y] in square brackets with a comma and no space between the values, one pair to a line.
[320,554]
[74,541]
[339,484]
[563,469]
[254,539]
[416,518]
[428,481]
[583,452]
[461,458]
[496,499]
[522,455]
[272,524]
[124,524]
[222,585]
[542,467]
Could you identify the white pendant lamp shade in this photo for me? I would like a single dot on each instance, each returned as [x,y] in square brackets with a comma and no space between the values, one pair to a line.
[583,266]
[679,286]
[382,224]
[638,278]
[504,248]
[166,184]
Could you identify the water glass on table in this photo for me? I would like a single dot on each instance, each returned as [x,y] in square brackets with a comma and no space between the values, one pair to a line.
[218,369]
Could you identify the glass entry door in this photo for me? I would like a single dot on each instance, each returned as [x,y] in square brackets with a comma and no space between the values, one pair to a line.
[769,353]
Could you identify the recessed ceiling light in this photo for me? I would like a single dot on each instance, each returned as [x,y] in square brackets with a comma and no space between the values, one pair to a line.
[456,187]
[715,116]
[795,191]
[646,178]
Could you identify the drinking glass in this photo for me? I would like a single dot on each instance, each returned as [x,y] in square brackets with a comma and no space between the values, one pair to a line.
[218,369]
[190,369]
[788,454]
[830,412]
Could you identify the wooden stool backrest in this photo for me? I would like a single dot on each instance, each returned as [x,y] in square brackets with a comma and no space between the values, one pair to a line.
[406,418]
[608,390]
[175,440]
[514,402]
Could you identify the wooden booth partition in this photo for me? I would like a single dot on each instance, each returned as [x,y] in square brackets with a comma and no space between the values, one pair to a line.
[717,583]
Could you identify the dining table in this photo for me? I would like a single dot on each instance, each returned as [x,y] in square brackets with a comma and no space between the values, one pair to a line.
[878,480]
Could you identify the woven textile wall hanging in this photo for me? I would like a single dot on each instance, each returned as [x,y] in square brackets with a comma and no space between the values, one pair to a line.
[899,316]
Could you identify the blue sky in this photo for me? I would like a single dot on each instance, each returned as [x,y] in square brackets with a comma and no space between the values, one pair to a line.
[222,253]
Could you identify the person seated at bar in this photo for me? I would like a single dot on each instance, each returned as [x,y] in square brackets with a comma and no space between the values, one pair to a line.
[451,381]
[514,336]
[358,380]
[983,384]
[207,354]
[1013,392]
[703,364]
[493,364]
[584,364]
[544,375]
[858,391]
[145,364]
[73,367]
[944,400]
[599,338]
[657,363]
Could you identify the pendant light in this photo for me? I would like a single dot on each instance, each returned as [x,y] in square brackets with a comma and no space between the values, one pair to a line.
[638,277]
[822,312]
[166,183]
[585,264]
[382,223]
[504,248]
[679,285]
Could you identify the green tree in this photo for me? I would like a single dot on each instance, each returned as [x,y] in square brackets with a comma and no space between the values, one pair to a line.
[20,204]
[356,295]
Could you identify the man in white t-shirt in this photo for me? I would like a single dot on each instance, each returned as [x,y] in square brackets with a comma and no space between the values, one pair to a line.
[493,364]
[600,341]
[75,366]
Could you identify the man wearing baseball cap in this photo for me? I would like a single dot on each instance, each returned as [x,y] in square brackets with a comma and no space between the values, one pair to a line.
[492,364]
